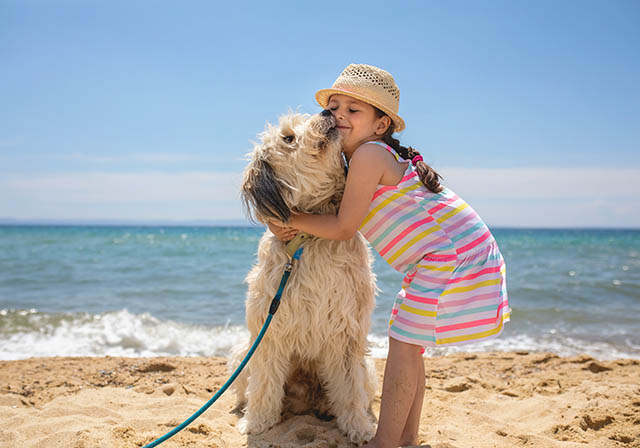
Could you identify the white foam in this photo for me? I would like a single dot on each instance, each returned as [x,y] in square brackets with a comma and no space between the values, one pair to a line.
[562,346]
[118,333]
[29,333]
[379,345]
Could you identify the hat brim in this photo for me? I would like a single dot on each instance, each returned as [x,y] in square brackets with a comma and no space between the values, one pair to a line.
[323,95]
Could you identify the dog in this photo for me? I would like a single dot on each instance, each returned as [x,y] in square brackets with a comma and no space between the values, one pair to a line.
[317,341]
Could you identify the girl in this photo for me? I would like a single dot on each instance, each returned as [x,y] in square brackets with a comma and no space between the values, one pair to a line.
[454,289]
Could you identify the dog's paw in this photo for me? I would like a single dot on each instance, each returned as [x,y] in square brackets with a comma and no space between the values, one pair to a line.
[361,435]
[248,425]
[359,430]
[242,425]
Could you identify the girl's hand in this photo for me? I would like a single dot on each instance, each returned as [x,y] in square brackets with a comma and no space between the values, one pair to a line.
[282,231]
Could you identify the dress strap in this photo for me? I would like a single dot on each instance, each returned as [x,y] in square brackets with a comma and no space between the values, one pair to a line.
[388,148]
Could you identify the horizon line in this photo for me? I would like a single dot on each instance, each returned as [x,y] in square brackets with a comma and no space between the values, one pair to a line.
[234,223]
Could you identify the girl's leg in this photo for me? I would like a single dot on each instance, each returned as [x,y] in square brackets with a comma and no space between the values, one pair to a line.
[399,388]
[410,432]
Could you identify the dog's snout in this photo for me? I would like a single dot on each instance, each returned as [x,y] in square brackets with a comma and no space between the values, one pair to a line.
[326,113]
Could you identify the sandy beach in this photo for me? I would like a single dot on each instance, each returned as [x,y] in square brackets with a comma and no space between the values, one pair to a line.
[499,399]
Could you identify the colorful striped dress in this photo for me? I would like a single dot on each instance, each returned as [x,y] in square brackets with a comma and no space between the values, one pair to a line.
[454,290]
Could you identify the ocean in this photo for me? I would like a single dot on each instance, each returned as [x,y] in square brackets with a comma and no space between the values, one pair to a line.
[166,290]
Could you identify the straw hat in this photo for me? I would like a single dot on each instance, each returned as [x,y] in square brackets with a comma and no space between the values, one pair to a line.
[369,84]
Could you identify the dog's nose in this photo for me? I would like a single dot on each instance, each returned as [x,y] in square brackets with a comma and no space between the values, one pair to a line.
[326,113]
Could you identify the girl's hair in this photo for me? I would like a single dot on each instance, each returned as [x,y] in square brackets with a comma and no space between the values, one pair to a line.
[429,177]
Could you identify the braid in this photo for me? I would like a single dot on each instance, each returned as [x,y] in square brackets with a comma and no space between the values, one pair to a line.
[429,177]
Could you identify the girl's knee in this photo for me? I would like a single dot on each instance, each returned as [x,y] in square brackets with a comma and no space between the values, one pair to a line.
[405,347]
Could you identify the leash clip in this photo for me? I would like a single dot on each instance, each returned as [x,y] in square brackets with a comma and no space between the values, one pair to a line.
[288,267]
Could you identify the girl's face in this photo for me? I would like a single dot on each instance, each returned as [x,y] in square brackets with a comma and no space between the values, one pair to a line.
[357,121]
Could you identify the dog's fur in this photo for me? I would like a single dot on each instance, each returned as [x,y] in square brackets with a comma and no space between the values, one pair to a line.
[317,341]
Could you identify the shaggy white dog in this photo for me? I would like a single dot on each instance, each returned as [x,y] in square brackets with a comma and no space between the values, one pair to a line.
[318,338]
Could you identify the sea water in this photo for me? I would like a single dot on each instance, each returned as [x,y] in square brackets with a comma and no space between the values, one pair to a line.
[167,290]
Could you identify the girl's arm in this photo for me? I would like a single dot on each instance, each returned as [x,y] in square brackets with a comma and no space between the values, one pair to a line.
[365,171]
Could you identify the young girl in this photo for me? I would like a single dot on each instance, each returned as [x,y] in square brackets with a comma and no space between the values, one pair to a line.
[454,289]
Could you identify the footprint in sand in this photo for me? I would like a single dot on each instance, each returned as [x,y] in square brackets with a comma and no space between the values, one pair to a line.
[157,367]
[596,367]
[306,435]
[458,386]
[595,422]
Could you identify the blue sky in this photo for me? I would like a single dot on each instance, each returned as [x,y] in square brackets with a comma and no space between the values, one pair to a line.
[115,110]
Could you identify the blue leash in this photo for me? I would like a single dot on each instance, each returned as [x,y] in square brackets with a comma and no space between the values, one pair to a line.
[275,303]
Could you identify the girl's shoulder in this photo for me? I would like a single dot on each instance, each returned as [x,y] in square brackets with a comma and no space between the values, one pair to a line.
[367,154]
[376,149]
[377,161]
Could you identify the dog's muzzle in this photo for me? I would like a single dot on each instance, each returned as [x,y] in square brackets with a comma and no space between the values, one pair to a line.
[329,124]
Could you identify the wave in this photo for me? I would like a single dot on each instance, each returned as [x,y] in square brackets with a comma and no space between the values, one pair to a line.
[30,333]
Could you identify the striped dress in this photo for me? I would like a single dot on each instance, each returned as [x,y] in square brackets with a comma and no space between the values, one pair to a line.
[454,289]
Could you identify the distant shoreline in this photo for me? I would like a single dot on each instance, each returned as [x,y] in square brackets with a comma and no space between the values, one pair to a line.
[7,222]
[132,223]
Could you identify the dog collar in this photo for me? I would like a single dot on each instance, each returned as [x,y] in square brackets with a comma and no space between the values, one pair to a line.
[296,242]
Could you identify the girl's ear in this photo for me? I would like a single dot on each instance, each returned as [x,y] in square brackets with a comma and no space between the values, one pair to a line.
[383,124]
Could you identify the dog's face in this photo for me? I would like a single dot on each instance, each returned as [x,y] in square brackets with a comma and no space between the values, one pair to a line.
[296,167]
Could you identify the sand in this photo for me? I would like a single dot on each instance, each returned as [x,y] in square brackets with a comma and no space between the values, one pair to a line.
[471,400]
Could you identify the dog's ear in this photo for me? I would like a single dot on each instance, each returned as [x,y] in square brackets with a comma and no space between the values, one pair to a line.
[262,193]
